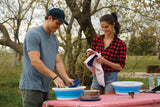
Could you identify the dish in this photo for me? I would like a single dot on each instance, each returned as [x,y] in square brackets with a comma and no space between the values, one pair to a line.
[89,99]
[90,94]
[76,83]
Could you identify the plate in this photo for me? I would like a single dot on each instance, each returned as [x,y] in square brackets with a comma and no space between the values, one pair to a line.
[76,83]
[89,99]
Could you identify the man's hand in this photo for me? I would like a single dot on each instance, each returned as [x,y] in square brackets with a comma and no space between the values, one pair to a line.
[69,81]
[59,83]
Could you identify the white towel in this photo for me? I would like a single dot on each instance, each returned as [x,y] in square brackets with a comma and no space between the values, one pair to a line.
[94,67]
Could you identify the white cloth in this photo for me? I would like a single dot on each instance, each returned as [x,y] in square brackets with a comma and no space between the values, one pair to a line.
[94,67]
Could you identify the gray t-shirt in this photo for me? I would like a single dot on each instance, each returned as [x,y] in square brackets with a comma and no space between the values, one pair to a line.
[38,40]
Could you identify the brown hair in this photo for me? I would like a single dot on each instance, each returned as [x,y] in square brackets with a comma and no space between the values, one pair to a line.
[111,18]
[46,17]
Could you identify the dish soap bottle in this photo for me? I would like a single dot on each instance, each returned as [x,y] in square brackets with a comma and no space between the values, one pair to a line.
[151,83]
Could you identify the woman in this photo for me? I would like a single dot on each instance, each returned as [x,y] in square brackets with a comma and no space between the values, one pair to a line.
[113,51]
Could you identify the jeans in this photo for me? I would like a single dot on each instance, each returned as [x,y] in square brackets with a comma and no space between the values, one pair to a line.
[33,98]
[108,79]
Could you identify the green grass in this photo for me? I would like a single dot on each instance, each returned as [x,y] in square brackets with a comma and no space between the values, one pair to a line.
[10,94]
[139,63]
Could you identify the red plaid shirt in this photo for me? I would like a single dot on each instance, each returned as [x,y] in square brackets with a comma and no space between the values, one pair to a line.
[116,52]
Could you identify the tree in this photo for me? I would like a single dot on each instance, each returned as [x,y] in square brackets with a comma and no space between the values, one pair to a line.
[6,40]
[147,43]
[81,12]
[133,45]
[143,43]
[15,14]
[133,16]
[77,37]
[157,33]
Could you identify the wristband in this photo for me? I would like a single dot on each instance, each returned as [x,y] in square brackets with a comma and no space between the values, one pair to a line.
[55,77]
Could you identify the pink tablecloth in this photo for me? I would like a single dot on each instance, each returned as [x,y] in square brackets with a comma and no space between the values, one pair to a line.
[112,100]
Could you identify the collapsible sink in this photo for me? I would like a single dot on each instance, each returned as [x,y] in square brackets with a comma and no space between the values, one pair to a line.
[123,87]
[68,93]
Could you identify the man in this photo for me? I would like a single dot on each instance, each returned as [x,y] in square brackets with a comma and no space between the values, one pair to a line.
[40,57]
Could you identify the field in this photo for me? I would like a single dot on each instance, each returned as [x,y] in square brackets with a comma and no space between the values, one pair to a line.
[139,63]
[10,94]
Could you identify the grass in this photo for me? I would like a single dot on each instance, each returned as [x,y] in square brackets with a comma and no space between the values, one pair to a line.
[10,94]
[9,91]
[139,63]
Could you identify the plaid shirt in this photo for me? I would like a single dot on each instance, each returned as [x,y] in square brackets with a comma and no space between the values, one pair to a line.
[116,52]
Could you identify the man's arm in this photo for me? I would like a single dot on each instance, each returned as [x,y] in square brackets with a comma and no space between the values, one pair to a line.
[61,70]
[40,66]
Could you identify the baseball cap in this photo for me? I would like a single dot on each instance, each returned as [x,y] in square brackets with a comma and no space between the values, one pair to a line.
[58,13]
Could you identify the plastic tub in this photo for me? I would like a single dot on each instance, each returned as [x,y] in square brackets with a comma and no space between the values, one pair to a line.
[158,81]
[68,93]
[123,87]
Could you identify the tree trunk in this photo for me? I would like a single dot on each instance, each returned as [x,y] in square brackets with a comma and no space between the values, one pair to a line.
[83,17]
[15,60]
[159,51]
[5,40]
[20,59]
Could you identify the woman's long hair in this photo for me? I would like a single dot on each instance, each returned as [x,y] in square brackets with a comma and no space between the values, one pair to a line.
[112,18]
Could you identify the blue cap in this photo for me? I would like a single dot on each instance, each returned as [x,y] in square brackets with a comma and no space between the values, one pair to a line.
[58,13]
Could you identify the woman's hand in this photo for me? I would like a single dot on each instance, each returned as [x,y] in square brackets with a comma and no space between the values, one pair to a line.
[101,60]
[88,54]
[116,66]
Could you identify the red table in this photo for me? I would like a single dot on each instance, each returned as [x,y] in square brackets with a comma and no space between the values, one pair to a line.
[111,100]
